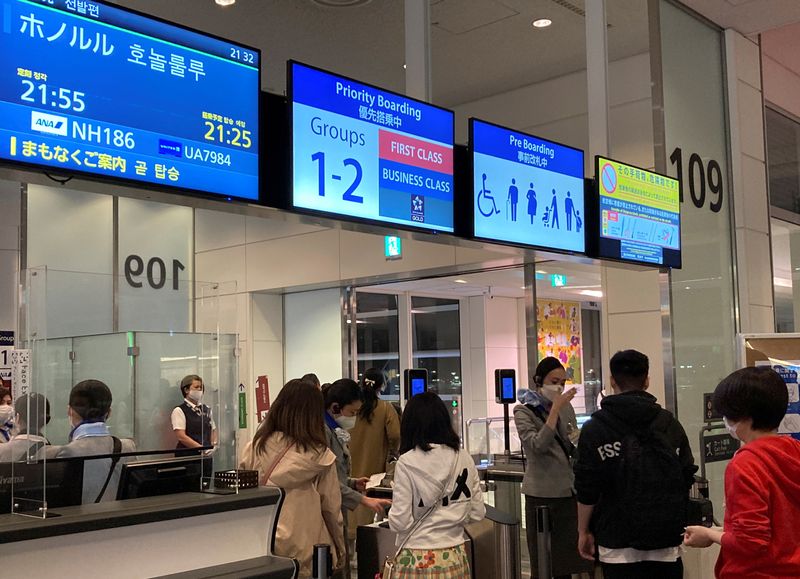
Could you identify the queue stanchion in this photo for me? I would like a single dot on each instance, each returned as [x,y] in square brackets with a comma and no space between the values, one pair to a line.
[322,562]
[544,528]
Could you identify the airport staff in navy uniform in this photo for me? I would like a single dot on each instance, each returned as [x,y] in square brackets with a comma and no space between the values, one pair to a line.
[192,421]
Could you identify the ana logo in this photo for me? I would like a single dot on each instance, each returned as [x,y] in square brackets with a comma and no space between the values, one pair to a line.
[418,208]
[173,148]
[45,123]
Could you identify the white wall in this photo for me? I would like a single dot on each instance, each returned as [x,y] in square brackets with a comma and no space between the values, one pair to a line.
[313,334]
[10,200]
[749,180]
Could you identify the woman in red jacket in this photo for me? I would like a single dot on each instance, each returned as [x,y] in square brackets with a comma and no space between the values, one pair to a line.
[762,482]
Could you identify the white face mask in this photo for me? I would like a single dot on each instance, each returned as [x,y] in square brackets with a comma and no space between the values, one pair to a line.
[346,422]
[6,416]
[195,396]
[731,428]
[550,391]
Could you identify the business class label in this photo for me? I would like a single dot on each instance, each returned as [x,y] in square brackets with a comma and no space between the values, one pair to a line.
[88,87]
[366,153]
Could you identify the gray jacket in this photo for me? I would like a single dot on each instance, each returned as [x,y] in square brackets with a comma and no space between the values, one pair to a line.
[548,473]
[96,471]
[351,498]
[16,449]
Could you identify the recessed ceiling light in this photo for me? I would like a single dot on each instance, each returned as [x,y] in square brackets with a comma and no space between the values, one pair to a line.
[522,287]
[541,271]
[460,281]
[542,23]
[225,2]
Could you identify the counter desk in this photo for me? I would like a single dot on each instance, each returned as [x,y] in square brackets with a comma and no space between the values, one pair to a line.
[188,534]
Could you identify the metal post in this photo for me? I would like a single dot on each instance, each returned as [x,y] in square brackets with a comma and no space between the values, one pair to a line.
[543,547]
[322,563]
[506,428]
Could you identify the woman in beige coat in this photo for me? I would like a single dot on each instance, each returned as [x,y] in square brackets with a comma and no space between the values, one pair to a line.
[375,437]
[290,450]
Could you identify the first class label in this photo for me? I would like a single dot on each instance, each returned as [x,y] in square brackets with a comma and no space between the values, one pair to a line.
[366,153]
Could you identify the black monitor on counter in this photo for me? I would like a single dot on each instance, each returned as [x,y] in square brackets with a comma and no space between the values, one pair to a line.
[165,476]
[59,481]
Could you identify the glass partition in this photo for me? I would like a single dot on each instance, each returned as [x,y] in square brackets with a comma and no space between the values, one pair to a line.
[143,371]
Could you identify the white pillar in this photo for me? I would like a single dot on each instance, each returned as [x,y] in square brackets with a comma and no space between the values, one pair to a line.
[418,49]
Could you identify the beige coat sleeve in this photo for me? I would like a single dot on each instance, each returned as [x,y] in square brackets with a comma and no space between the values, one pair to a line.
[331,500]
[392,427]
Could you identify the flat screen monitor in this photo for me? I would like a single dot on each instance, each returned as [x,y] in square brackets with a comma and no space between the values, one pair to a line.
[526,190]
[505,386]
[150,478]
[93,89]
[59,481]
[368,154]
[639,215]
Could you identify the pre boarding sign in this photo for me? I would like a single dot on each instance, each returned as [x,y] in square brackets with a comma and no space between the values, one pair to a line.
[527,190]
[88,87]
[363,152]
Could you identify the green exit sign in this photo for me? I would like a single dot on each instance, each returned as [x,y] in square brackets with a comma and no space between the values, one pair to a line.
[392,247]
[558,280]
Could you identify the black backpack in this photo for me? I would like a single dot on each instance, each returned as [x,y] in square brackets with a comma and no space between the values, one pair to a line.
[650,488]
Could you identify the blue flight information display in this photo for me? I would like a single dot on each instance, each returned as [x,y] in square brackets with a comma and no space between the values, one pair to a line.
[366,153]
[86,87]
[526,190]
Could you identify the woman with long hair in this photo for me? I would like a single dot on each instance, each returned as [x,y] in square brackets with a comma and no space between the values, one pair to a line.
[290,450]
[436,493]
[374,440]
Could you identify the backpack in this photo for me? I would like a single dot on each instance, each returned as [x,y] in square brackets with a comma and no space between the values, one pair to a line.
[650,489]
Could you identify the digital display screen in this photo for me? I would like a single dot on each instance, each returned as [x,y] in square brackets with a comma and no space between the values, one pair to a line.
[86,87]
[526,190]
[417,386]
[640,219]
[508,388]
[366,153]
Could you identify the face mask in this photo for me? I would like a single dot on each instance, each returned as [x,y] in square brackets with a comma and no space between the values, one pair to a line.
[195,396]
[550,391]
[6,416]
[346,422]
[731,428]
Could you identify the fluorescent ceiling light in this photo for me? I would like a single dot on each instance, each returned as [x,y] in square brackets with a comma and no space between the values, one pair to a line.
[591,293]
[459,281]
[542,23]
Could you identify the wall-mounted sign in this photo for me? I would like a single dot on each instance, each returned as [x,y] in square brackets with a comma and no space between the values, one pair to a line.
[719,447]
[20,373]
[6,347]
[262,397]
[526,190]
[392,247]
[362,152]
[88,87]
[639,214]
[558,280]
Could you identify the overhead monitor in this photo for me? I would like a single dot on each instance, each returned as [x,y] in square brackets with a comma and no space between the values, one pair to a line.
[639,215]
[93,89]
[368,154]
[526,190]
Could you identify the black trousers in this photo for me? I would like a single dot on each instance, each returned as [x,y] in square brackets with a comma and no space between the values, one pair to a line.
[643,569]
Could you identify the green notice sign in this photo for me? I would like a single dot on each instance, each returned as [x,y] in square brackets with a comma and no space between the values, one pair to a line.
[242,407]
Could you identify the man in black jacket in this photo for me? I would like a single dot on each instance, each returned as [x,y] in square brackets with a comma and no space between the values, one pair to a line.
[632,478]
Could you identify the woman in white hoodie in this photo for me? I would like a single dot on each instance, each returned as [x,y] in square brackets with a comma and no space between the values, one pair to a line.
[436,493]
[290,450]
